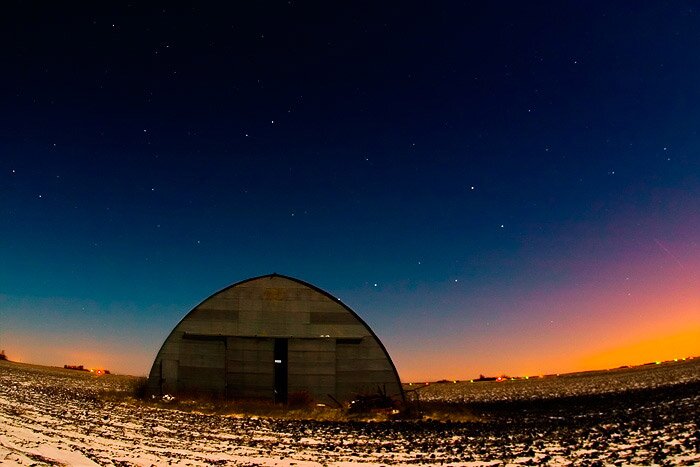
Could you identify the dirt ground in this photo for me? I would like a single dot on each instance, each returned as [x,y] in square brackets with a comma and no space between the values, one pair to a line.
[642,416]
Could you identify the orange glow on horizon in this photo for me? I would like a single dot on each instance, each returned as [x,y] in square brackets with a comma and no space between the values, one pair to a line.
[657,349]
[628,313]
[675,345]
[96,357]
[678,344]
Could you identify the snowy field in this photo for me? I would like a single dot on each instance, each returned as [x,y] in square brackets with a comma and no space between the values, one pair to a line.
[572,384]
[642,416]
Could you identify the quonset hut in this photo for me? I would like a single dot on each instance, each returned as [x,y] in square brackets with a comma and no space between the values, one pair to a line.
[271,336]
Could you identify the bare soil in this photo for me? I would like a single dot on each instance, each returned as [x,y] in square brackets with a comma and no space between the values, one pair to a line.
[643,416]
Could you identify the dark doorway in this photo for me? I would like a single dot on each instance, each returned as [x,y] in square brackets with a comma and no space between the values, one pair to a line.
[280,356]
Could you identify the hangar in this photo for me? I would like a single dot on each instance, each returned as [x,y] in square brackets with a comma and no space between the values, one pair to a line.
[269,337]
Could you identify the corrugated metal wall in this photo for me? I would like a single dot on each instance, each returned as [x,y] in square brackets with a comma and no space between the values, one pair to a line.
[249,367]
[225,346]
[312,366]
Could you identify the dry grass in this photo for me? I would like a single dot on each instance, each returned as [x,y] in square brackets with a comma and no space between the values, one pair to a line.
[247,408]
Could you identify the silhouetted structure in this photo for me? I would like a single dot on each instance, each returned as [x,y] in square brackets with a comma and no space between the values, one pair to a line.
[269,337]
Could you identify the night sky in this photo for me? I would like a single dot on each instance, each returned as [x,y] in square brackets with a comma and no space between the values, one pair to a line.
[495,189]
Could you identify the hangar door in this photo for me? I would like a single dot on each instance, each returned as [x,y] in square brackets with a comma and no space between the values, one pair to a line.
[272,368]
[256,367]
[312,366]
[249,367]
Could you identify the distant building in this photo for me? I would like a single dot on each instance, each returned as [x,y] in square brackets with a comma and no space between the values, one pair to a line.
[270,337]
